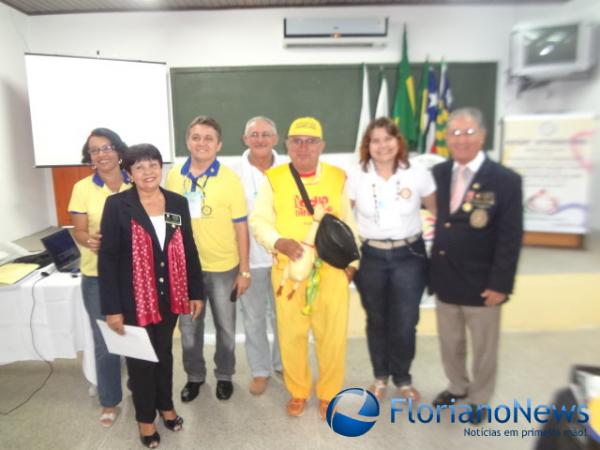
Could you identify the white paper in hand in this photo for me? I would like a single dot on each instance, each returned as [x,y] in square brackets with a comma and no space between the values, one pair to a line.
[135,343]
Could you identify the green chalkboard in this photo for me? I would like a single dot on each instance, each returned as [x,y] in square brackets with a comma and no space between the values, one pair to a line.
[331,93]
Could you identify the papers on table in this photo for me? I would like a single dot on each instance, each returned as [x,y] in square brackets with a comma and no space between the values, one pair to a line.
[13,272]
[135,343]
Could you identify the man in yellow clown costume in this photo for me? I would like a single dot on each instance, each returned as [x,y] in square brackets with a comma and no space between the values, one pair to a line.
[280,221]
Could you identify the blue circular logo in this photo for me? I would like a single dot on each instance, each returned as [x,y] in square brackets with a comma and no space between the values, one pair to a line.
[352,412]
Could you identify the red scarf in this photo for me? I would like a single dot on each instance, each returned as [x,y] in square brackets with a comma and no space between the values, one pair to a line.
[144,282]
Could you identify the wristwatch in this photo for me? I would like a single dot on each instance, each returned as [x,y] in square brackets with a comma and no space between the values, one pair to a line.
[247,275]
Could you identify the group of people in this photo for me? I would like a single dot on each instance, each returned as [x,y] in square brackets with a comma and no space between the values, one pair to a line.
[213,234]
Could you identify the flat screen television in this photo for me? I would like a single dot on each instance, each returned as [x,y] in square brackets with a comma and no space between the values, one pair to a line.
[551,50]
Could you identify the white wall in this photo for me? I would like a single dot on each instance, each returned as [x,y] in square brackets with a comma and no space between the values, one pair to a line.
[26,199]
[254,37]
[248,37]
[568,96]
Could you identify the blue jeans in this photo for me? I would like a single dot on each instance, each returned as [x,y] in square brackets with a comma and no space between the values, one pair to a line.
[108,366]
[217,286]
[391,283]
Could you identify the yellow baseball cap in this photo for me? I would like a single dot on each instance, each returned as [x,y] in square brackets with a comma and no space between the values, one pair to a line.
[306,126]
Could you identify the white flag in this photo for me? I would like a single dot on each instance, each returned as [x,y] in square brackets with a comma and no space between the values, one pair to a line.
[365,114]
[383,105]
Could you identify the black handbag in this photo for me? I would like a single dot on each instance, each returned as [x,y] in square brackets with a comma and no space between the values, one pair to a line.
[335,243]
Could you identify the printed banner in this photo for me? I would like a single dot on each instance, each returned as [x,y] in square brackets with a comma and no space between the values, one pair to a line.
[552,152]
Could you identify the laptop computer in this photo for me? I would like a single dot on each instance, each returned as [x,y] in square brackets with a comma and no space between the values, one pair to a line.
[63,250]
[42,259]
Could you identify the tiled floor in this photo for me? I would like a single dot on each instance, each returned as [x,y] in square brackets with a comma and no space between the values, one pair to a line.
[63,416]
[532,365]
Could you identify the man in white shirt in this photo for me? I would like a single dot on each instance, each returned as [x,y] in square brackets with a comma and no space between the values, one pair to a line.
[260,135]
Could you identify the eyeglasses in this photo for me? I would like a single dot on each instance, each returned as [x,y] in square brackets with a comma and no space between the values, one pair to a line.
[104,149]
[256,135]
[298,142]
[467,132]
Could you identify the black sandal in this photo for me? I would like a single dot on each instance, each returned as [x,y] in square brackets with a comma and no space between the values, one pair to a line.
[151,441]
[174,425]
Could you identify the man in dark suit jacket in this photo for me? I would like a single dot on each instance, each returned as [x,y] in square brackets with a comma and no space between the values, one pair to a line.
[478,235]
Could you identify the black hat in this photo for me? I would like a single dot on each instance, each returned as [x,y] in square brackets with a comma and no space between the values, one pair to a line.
[335,242]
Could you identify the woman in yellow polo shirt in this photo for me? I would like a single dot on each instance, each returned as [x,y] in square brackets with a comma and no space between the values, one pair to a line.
[103,149]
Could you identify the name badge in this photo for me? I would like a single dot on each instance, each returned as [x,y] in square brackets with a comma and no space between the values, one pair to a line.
[195,200]
[383,205]
[484,200]
[173,219]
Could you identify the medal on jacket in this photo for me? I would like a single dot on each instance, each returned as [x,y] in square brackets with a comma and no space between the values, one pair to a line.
[467,207]
[479,218]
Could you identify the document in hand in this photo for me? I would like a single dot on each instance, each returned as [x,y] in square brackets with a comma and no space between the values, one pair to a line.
[135,343]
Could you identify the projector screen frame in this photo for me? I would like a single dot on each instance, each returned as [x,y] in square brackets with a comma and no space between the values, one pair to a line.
[155,110]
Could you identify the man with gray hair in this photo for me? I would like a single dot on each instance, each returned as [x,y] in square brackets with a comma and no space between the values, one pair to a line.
[478,233]
[257,303]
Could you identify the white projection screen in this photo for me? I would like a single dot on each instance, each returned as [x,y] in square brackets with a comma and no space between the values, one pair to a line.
[70,96]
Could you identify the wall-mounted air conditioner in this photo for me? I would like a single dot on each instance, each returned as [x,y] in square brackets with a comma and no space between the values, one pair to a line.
[330,32]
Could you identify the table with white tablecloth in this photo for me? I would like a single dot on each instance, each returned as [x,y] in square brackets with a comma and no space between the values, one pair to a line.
[45,314]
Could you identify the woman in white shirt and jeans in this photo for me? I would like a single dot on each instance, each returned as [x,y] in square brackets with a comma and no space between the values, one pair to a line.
[387,192]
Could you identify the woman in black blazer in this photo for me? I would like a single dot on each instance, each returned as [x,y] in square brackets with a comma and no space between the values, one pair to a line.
[149,273]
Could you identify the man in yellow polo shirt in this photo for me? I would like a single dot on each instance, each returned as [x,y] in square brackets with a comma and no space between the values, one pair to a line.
[280,221]
[219,219]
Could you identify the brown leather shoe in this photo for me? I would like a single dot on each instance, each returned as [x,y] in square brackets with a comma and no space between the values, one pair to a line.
[323,409]
[258,385]
[295,407]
